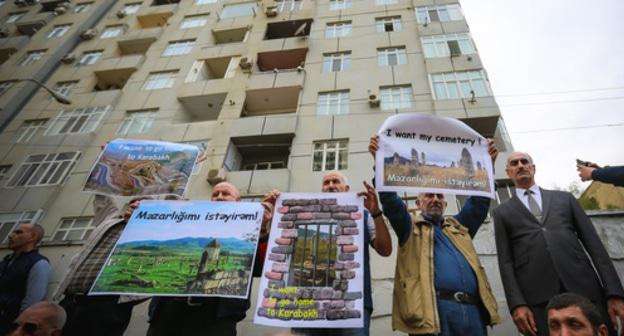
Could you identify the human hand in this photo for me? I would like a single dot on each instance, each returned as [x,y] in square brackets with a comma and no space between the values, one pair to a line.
[266,219]
[271,196]
[492,150]
[373,146]
[371,203]
[615,307]
[131,206]
[523,318]
[585,172]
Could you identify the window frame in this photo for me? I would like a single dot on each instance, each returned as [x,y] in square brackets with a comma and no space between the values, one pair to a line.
[82,7]
[59,30]
[333,102]
[340,4]
[4,172]
[168,77]
[33,56]
[385,54]
[289,5]
[179,47]
[435,46]
[24,217]
[89,57]
[14,17]
[64,87]
[338,29]
[452,12]
[382,22]
[77,121]
[336,62]
[46,171]
[336,146]
[194,21]
[6,85]
[28,129]
[132,8]
[405,95]
[86,231]
[144,119]
[459,89]
[236,7]
[113,31]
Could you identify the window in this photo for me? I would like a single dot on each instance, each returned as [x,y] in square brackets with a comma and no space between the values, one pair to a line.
[131,8]
[337,62]
[80,120]
[59,30]
[82,7]
[288,5]
[112,31]
[5,86]
[391,56]
[205,2]
[175,48]
[396,97]
[338,29]
[74,228]
[89,57]
[32,57]
[453,85]
[330,155]
[447,45]
[239,9]
[388,24]
[13,17]
[443,13]
[44,169]
[386,2]
[339,4]
[9,220]
[336,102]
[28,129]
[4,171]
[265,165]
[137,122]
[193,21]
[160,80]
[64,88]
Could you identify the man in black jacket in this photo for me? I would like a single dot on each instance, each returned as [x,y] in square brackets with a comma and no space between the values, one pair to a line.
[541,237]
[612,175]
[23,274]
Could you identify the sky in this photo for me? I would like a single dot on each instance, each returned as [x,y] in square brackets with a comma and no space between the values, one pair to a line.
[533,51]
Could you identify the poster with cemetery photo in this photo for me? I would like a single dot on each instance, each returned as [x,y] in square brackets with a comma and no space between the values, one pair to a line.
[420,152]
[313,275]
[184,248]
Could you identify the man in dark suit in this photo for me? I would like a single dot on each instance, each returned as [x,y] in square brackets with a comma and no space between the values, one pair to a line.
[541,237]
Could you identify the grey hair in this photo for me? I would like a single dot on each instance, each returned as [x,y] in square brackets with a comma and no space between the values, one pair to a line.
[524,153]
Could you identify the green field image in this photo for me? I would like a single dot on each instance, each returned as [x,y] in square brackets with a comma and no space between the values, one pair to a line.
[170,267]
[314,257]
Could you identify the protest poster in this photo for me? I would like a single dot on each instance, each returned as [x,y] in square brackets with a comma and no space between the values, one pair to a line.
[313,273]
[184,248]
[141,167]
[425,153]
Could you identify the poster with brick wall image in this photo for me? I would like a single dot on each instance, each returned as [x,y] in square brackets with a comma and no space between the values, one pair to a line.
[313,275]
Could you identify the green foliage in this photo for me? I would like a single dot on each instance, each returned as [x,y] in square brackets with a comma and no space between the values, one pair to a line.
[589,203]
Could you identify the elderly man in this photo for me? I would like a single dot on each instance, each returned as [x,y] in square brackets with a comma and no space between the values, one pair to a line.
[542,237]
[570,314]
[376,234]
[203,316]
[440,286]
[23,273]
[106,315]
[40,319]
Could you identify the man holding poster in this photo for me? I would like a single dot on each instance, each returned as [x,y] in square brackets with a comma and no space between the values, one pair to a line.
[190,316]
[440,286]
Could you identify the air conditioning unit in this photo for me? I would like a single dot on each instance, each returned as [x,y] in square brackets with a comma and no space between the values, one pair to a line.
[68,59]
[271,12]
[373,101]
[216,176]
[88,34]
[4,32]
[245,63]
[121,13]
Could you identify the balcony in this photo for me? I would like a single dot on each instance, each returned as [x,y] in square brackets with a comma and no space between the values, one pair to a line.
[254,153]
[222,36]
[50,5]
[10,45]
[213,68]
[138,41]
[282,59]
[32,23]
[258,182]
[271,101]
[286,29]
[200,106]
[114,73]
[165,10]
[158,19]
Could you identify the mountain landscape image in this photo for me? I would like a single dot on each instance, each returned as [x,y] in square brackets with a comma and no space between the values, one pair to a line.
[189,265]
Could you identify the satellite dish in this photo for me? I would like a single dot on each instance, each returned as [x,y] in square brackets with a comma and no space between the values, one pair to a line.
[301,29]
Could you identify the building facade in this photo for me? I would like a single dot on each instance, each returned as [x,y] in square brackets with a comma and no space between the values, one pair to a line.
[275,92]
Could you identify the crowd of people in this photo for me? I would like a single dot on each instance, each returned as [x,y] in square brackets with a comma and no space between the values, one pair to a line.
[557,276]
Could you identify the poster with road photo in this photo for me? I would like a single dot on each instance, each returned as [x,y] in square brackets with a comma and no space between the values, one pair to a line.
[420,152]
[184,248]
[129,167]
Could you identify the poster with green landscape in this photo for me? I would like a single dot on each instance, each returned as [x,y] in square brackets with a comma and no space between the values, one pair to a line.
[184,248]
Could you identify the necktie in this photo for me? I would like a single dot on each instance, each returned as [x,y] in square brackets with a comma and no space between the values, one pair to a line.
[533,206]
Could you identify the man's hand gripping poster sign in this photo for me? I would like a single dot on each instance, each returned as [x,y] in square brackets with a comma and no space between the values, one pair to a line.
[313,275]
[427,153]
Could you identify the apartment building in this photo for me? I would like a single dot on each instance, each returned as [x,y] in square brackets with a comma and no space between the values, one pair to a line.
[276,92]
